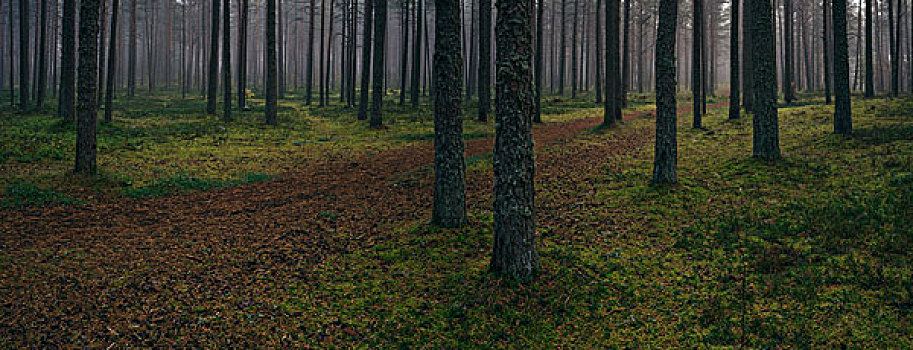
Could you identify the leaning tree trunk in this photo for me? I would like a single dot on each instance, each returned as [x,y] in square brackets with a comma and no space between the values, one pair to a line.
[484,59]
[515,254]
[366,60]
[23,55]
[112,63]
[66,100]
[213,79]
[449,165]
[87,108]
[766,140]
[377,93]
[734,104]
[272,81]
[226,61]
[665,156]
[843,122]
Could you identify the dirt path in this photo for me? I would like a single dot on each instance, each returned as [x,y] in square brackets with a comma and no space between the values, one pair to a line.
[132,271]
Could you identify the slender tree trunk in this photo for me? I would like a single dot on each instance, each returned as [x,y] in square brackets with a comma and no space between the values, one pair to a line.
[242,54]
[869,70]
[183,50]
[103,30]
[828,52]
[893,44]
[449,165]
[66,102]
[329,49]
[665,157]
[88,84]
[788,75]
[540,18]
[226,60]
[612,110]
[843,123]
[380,29]
[696,64]
[24,33]
[748,91]
[404,52]
[766,135]
[42,75]
[484,59]
[515,254]
[212,90]
[112,63]
[625,54]
[366,60]
[131,65]
[280,55]
[417,53]
[563,54]
[574,50]
[734,103]
[310,57]
[272,81]
[599,63]
[12,60]
[323,47]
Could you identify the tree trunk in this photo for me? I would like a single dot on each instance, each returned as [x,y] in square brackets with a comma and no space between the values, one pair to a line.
[242,54]
[226,60]
[540,17]
[325,100]
[843,123]
[366,60]
[869,70]
[272,81]
[696,62]
[404,53]
[788,75]
[88,84]
[212,90]
[417,53]
[766,135]
[131,64]
[734,103]
[563,51]
[574,50]
[66,101]
[484,59]
[828,52]
[665,158]
[599,63]
[626,54]
[378,92]
[309,83]
[449,166]
[103,30]
[612,110]
[24,33]
[515,254]
[42,76]
[112,63]
[892,38]
[748,91]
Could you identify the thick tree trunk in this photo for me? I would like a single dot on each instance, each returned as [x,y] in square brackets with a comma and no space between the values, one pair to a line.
[366,60]
[449,165]
[515,254]
[484,59]
[843,123]
[88,84]
[378,91]
[213,79]
[665,158]
[272,81]
[66,100]
[734,84]
[112,63]
[766,140]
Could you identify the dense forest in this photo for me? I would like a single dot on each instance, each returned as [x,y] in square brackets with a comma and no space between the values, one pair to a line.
[456,173]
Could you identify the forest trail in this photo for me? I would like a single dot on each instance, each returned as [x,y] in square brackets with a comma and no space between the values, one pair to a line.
[147,262]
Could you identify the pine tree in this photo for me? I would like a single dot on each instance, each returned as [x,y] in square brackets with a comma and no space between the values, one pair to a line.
[696,62]
[540,13]
[666,150]
[380,29]
[24,33]
[449,164]
[66,100]
[788,90]
[87,100]
[515,254]
[869,70]
[843,123]
[484,59]
[213,79]
[112,63]
[416,54]
[766,140]
[366,60]
[734,84]
[272,81]
[226,60]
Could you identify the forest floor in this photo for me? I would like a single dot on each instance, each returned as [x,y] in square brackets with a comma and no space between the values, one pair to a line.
[811,250]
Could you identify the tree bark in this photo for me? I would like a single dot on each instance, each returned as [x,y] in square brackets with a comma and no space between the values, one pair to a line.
[66,101]
[449,165]
[869,70]
[310,65]
[766,134]
[828,51]
[404,53]
[242,54]
[540,18]
[112,63]
[42,76]
[88,84]
[226,61]
[843,123]
[734,84]
[626,53]
[131,64]
[665,157]
[612,109]
[599,52]
[213,80]
[574,50]
[696,62]
[272,81]
[378,92]
[24,33]
[366,60]
[484,59]
[417,54]
[514,254]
